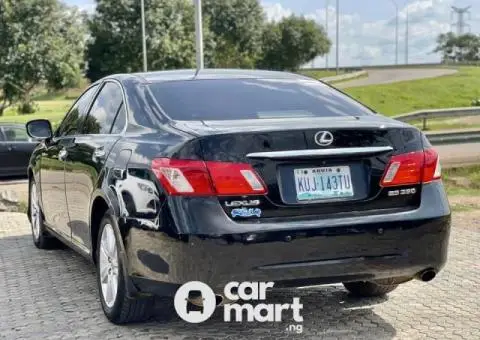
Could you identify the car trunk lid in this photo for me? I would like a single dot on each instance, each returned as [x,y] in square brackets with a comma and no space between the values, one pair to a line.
[290,159]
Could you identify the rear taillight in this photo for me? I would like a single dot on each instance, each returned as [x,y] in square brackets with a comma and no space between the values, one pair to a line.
[199,178]
[412,168]
[432,169]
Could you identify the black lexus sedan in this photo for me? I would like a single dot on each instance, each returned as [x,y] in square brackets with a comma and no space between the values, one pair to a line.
[168,177]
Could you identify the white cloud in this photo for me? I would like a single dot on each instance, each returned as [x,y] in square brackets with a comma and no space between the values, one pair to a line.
[373,42]
[89,8]
[275,11]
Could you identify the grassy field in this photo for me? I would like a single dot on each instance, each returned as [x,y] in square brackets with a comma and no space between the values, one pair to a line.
[51,106]
[462,181]
[463,188]
[456,90]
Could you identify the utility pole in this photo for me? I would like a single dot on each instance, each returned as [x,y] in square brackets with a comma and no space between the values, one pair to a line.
[199,34]
[338,36]
[326,30]
[406,39]
[396,31]
[460,23]
[144,38]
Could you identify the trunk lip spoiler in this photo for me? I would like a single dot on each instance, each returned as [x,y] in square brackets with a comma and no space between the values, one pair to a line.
[321,152]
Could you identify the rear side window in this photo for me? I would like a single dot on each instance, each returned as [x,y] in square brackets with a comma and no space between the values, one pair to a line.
[120,120]
[73,121]
[231,99]
[104,111]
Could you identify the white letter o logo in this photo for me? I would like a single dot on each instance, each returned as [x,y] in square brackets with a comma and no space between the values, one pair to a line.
[181,301]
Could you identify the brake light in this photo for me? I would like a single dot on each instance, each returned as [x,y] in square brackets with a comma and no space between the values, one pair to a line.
[199,178]
[412,168]
[432,169]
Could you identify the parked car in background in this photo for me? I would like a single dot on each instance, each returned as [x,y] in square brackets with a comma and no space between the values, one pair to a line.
[235,175]
[15,149]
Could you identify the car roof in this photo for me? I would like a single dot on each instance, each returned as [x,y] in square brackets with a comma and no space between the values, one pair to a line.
[192,74]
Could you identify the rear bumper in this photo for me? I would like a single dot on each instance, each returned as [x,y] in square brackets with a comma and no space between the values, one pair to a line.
[374,247]
[367,252]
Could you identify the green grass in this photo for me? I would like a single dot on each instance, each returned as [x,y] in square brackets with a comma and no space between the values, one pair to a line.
[51,105]
[463,181]
[53,110]
[457,90]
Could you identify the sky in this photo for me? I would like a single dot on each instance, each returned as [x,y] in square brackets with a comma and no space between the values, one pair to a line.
[367,27]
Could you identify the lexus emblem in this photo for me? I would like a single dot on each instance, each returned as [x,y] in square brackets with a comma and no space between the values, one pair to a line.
[323,138]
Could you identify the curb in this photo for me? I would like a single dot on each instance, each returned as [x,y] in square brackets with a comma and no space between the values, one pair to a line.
[344,77]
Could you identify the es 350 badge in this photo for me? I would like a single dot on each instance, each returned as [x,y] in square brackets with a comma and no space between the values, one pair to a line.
[246,212]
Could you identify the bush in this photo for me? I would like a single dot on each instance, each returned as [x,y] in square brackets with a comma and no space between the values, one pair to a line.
[476,102]
[27,107]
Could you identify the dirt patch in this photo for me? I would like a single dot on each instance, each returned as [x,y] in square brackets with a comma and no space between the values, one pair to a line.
[19,187]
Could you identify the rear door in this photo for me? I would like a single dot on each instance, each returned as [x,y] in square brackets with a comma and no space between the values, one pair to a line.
[52,165]
[19,147]
[86,158]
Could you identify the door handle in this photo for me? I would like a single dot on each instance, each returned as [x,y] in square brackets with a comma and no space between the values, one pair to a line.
[62,154]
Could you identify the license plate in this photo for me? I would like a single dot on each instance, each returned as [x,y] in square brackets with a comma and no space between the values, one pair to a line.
[323,183]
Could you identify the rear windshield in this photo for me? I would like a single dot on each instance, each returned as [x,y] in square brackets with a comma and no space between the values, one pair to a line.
[231,99]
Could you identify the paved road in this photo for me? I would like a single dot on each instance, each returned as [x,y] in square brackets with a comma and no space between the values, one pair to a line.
[459,154]
[387,76]
[52,294]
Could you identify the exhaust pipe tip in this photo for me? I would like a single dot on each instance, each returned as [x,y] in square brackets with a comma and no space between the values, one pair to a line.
[427,275]
[220,300]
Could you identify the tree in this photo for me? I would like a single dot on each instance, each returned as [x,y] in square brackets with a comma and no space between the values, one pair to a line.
[237,27]
[292,42]
[464,48]
[446,45]
[116,37]
[41,41]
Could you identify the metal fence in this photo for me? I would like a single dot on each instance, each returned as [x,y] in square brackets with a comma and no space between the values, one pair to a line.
[445,137]
[425,115]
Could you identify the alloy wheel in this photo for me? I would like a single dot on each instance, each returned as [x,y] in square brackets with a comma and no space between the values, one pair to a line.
[108,265]
[34,212]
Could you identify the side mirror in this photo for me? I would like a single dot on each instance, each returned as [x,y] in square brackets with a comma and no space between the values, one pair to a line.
[39,129]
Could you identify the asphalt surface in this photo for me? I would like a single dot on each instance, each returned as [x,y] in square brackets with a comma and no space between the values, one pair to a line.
[53,295]
[386,76]
[455,155]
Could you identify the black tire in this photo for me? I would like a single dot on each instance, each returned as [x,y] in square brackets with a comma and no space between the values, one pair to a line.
[43,239]
[370,288]
[124,309]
